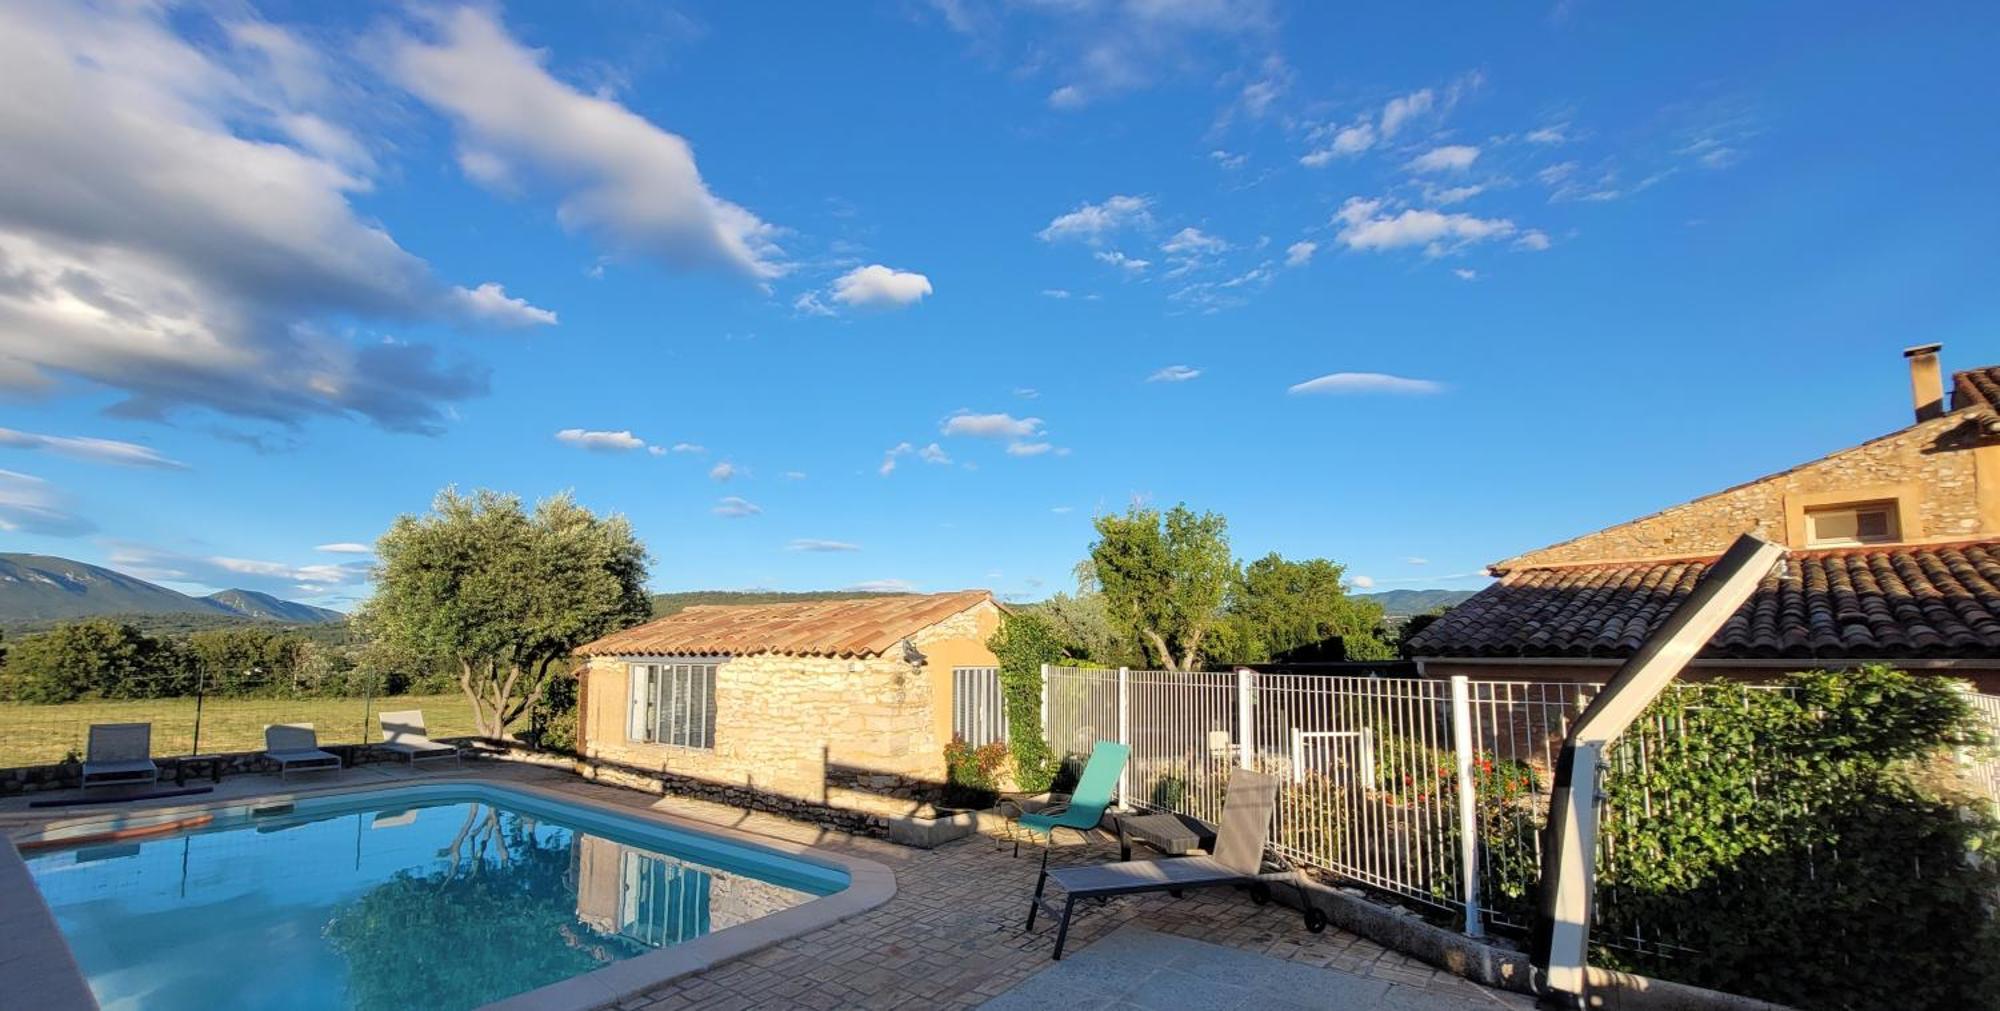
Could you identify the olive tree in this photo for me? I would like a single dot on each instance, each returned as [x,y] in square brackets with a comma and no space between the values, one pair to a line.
[502,595]
[1164,578]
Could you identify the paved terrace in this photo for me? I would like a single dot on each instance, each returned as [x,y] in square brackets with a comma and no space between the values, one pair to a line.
[952,937]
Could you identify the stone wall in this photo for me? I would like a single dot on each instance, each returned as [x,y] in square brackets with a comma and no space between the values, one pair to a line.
[1924,460]
[957,641]
[844,742]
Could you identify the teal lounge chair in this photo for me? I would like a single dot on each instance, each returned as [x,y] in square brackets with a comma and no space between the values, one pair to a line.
[1085,807]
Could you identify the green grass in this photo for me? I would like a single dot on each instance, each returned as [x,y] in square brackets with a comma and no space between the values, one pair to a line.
[41,735]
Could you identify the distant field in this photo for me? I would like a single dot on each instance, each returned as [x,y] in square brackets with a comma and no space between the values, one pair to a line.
[39,735]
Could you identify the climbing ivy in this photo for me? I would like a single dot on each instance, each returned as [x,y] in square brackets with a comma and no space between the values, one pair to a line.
[1022,644]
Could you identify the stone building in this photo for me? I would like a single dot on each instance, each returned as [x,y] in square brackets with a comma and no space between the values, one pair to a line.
[815,708]
[1895,556]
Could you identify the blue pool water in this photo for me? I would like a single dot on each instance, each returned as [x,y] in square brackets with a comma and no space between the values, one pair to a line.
[438,897]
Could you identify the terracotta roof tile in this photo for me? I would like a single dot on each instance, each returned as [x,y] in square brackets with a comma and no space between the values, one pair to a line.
[1978,387]
[1906,602]
[862,627]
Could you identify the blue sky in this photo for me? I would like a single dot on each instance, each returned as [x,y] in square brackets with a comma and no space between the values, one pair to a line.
[901,294]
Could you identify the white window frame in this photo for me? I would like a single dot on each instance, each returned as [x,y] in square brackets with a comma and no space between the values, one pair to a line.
[654,687]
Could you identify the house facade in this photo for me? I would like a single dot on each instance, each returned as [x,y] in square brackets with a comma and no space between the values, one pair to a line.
[1895,557]
[812,703]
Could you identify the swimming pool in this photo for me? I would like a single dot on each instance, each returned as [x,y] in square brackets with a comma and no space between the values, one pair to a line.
[438,896]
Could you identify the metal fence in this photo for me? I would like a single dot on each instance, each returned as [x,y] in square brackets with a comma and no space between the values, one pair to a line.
[978,706]
[1431,790]
[188,717]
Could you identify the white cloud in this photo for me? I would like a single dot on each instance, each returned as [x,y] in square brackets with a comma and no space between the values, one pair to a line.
[1556,173]
[656,450]
[724,471]
[795,475]
[1062,510]
[1192,242]
[1549,134]
[1092,223]
[1466,273]
[884,586]
[1452,194]
[87,448]
[1414,560]
[1449,158]
[1402,109]
[1100,50]
[1365,382]
[991,426]
[1228,160]
[226,572]
[490,302]
[1298,254]
[808,304]
[1027,392]
[815,544]
[689,447]
[1346,142]
[176,226]
[1028,448]
[889,457]
[1362,582]
[1364,227]
[619,441]
[30,505]
[934,453]
[621,177]
[1533,240]
[879,287]
[1055,293]
[1174,374]
[346,548]
[1129,264]
[734,508]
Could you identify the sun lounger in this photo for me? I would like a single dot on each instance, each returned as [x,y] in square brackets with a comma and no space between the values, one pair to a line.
[1238,859]
[120,754]
[295,746]
[1085,807]
[403,734]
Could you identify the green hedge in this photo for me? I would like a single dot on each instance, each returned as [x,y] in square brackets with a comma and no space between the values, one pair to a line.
[1813,847]
[1022,644]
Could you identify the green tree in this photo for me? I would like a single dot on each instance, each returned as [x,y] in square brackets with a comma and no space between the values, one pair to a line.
[95,659]
[1023,643]
[504,595]
[1276,606]
[1164,578]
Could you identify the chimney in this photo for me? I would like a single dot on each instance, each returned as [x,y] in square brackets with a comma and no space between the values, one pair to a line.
[1926,381]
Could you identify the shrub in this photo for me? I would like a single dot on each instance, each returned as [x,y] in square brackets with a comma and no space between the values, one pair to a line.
[973,773]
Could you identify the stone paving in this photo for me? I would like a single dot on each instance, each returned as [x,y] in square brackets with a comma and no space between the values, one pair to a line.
[953,938]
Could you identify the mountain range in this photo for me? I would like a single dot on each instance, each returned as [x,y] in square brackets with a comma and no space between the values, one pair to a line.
[1406,603]
[43,587]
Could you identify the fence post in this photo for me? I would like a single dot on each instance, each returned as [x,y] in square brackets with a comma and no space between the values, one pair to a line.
[1246,726]
[200,683]
[1125,736]
[1045,709]
[1468,808]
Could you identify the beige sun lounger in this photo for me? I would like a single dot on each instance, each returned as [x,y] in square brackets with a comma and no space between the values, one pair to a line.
[403,734]
[120,754]
[1238,859]
[296,746]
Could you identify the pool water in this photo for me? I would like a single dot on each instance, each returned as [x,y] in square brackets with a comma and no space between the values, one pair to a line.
[431,897]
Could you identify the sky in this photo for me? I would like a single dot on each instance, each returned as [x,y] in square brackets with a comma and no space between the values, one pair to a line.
[902,294]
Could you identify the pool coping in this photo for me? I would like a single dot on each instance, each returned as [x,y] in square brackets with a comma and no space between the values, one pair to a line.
[870,884]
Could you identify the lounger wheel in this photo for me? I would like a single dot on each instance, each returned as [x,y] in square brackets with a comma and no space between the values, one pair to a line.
[1315,921]
[1260,893]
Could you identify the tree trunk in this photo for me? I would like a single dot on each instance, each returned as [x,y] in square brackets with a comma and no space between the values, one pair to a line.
[1166,653]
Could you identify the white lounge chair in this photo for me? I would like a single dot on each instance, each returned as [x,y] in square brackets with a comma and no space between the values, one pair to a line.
[1238,859]
[403,734]
[120,754]
[296,746]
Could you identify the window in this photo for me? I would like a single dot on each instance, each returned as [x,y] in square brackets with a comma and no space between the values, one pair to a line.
[1859,523]
[674,703]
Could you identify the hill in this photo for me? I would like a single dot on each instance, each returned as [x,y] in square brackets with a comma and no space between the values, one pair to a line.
[37,589]
[252,604]
[670,603]
[1404,603]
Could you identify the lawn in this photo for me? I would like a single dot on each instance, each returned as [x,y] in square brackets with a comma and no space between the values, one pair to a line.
[40,735]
